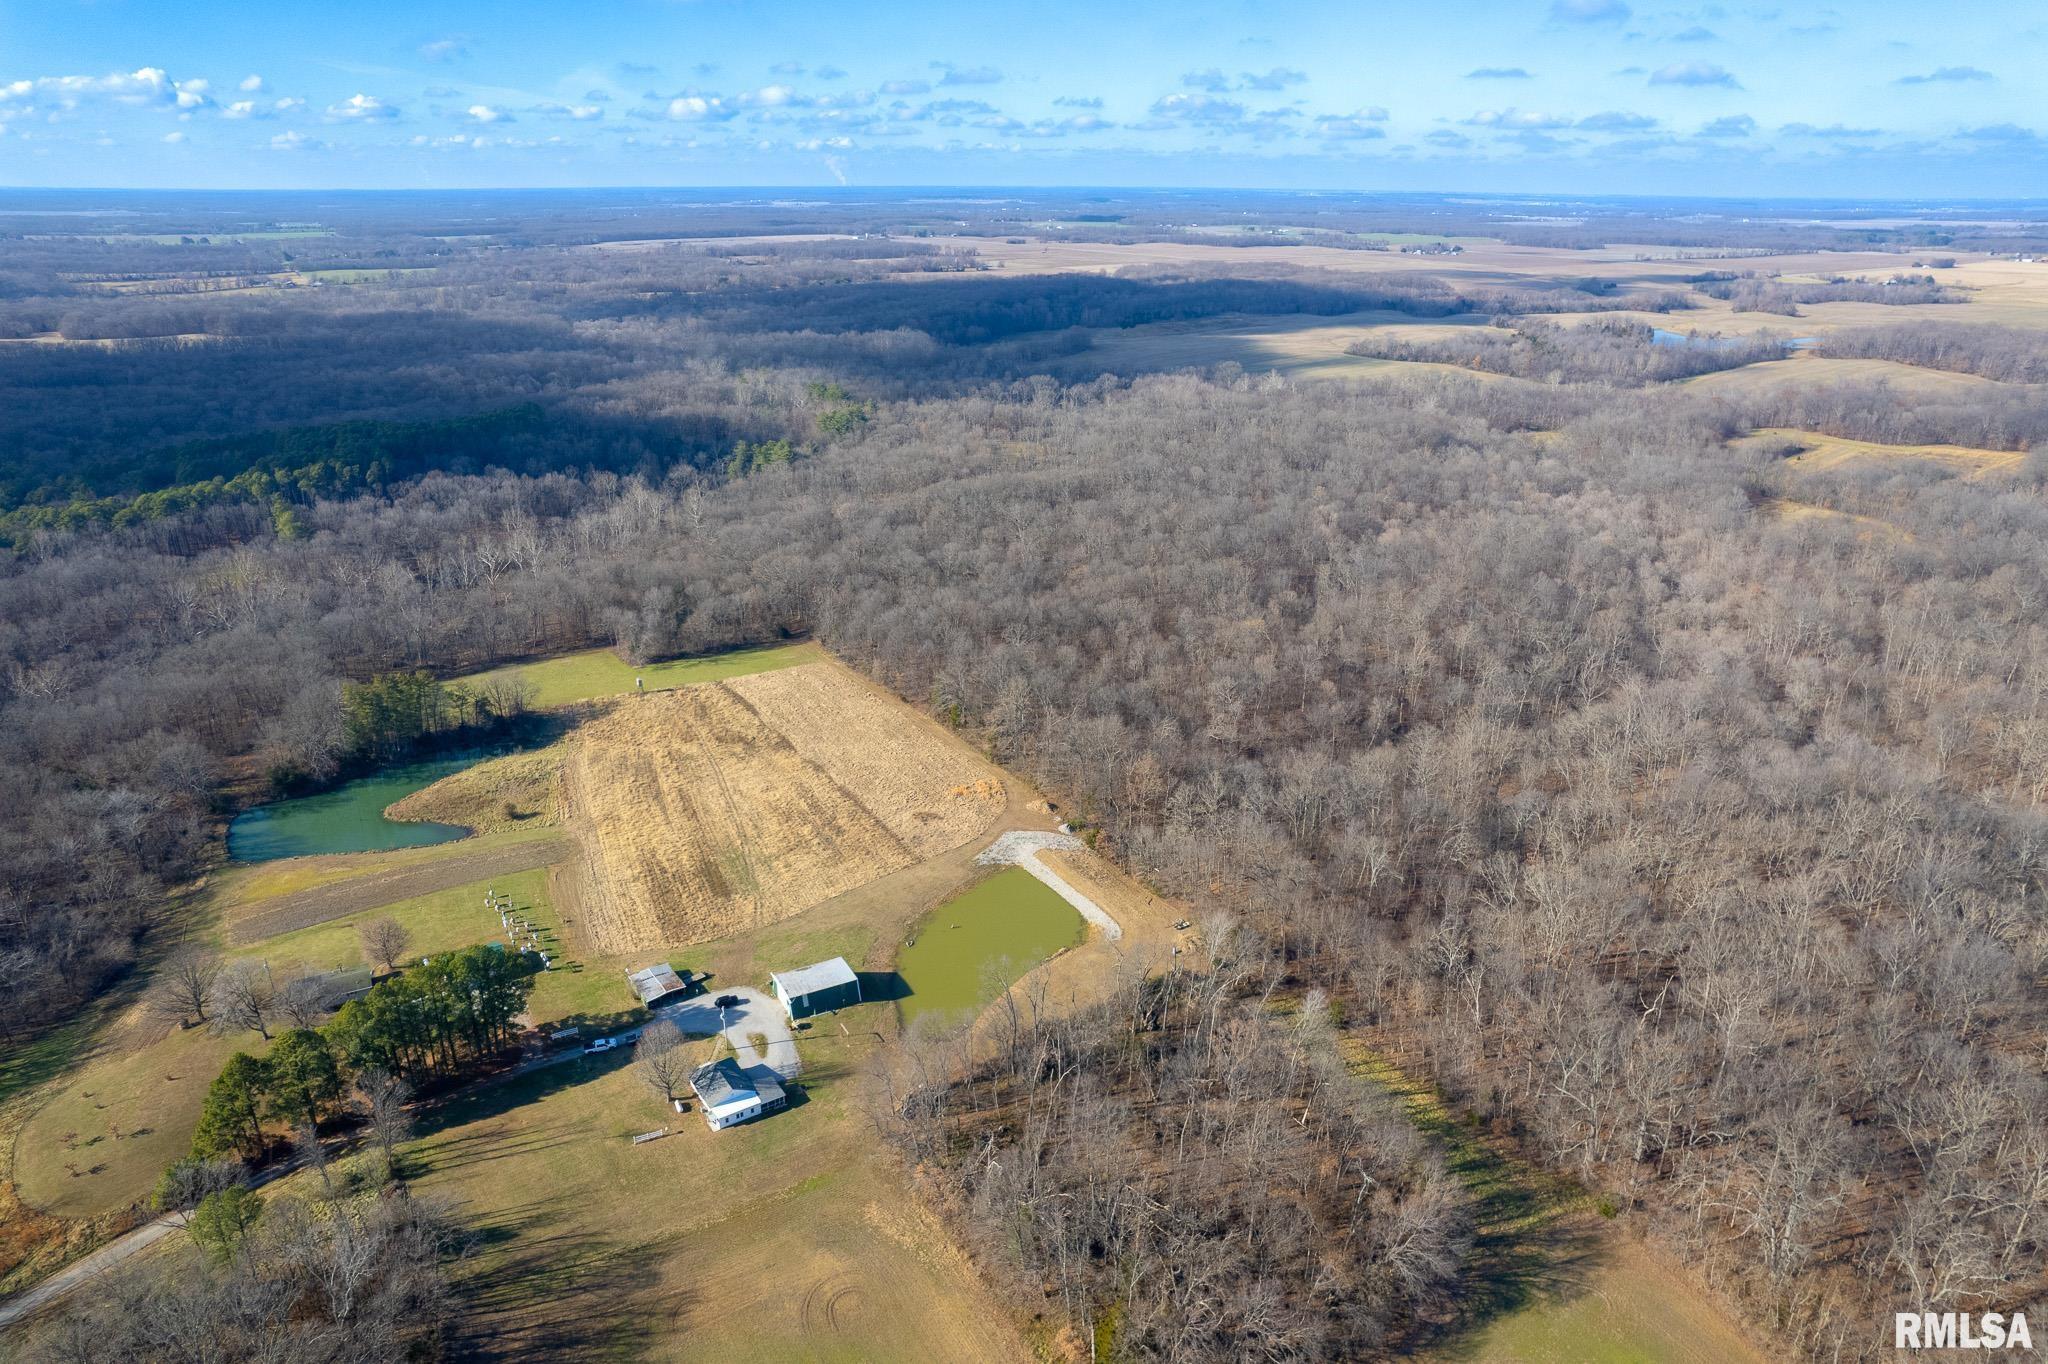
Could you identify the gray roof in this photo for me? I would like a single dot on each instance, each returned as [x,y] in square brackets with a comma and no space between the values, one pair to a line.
[811,979]
[720,1082]
[654,982]
[766,1084]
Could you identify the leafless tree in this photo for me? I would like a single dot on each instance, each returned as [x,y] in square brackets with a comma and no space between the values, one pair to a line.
[385,940]
[386,1100]
[663,1061]
[184,985]
[244,995]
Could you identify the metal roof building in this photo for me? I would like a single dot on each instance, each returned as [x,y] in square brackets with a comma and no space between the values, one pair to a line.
[816,989]
[656,983]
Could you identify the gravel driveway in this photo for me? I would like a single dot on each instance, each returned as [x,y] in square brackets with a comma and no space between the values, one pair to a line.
[756,1015]
[1021,847]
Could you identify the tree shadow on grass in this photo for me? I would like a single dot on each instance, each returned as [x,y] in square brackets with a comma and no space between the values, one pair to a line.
[1531,1240]
[537,1286]
[476,1148]
[493,1098]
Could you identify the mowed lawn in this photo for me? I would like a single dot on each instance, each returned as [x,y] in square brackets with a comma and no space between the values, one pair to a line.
[598,673]
[449,919]
[101,1141]
[786,1239]
[126,1114]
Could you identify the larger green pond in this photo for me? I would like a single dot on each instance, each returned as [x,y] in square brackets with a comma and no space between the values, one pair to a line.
[970,949]
[348,819]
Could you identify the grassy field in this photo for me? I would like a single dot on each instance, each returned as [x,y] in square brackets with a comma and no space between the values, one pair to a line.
[1550,1280]
[1820,453]
[149,1090]
[598,673]
[968,950]
[1804,368]
[1300,347]
[234,888]
[785,1239]
[100,1142]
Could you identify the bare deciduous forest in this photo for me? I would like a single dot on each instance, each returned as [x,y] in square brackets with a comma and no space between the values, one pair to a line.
[1699,850]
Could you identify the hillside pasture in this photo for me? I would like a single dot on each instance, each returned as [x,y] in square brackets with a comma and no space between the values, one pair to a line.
[595,674]
[1821,453]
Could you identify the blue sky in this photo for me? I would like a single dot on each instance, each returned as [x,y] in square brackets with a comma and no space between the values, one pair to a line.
[1874,98]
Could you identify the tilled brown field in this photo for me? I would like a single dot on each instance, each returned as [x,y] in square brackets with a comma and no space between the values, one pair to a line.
[716,808]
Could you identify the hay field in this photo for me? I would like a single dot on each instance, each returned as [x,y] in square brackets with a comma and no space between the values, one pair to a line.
[597,673]
[1806,369]
[718,808]
[1300,347]
[1823,453]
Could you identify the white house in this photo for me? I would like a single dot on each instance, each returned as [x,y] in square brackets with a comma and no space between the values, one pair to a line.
[731,1095]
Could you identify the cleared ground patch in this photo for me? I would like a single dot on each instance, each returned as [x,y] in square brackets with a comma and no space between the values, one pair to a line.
[714,809]
[969,950]
[597,673]
[1804,369]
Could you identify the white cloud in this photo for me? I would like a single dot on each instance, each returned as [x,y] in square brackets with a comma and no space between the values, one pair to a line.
[1517,118]
[294,141]
[251,85]
[360,109]
[966,75]
[484,113]
[1695,74]
[174,138]
[143,87]
[1734,125]
[1947,75]
[698,108]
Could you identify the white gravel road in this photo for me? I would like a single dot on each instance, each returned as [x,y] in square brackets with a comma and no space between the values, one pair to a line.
[1022,847]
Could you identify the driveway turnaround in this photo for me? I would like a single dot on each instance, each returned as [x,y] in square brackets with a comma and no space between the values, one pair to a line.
[756,1016]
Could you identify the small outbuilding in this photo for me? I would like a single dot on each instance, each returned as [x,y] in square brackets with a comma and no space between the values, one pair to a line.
[657,984]
[817,989]
[731,1094]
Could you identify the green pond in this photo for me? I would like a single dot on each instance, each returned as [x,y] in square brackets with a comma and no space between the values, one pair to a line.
[1012,921]
[348,819]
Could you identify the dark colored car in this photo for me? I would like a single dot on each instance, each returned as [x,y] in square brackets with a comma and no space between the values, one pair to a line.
[726,1002]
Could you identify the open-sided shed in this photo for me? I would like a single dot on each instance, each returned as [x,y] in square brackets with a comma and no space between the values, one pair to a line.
[656,984]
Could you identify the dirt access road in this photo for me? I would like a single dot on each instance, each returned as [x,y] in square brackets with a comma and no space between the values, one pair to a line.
[360,894]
